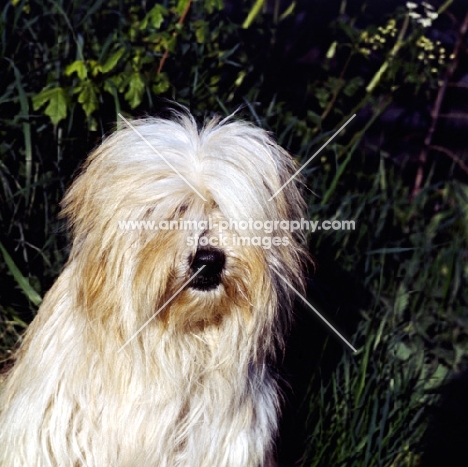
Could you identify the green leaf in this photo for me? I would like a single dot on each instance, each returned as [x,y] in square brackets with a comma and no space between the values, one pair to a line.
[136,87]
[161,85]
[436,378]
[353,85]
[314,117]
[20,279]
[201,30]
[112,61]
[322,96]
[402,351]
[78,67]
[154,18]
[88,97]
[181,5]
[402,299]
[57,103]
[212,5]
[95,67]
[116,82]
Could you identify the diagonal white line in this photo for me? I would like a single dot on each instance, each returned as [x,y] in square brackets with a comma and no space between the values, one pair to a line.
[162,157]
[167,302]
[297,171]
[314,310]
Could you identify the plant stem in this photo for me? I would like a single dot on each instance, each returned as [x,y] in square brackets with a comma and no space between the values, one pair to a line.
[174,34]
[253,14]
[437,106]
[337,90]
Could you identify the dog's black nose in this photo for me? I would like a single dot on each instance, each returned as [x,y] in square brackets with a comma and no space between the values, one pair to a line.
[209,277]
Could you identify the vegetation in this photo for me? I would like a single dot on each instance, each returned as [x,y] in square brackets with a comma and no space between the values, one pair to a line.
[397,169]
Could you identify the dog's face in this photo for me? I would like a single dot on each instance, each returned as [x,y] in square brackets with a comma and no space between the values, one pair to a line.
[177,212]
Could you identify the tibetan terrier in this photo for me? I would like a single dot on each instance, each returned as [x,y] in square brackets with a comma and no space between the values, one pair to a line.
[157,345]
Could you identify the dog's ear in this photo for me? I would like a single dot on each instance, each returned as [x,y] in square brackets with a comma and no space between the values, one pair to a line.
[92,270]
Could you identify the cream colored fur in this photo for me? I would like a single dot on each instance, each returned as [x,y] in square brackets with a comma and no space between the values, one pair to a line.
[195,387]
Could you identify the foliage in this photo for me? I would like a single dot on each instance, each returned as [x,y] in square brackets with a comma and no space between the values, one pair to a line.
[69,68]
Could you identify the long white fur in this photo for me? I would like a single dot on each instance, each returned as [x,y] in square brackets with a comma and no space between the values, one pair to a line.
[195,387]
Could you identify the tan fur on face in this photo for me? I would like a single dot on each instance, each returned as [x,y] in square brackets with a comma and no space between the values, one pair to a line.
[194,387]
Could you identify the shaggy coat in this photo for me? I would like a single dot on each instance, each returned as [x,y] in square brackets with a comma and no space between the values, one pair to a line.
[129,363]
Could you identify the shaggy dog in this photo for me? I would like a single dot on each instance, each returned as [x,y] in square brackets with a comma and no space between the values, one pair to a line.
[156,346]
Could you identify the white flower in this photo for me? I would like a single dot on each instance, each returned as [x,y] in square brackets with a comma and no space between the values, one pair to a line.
[432,15]
[411,5]
[425,22]
[427,6]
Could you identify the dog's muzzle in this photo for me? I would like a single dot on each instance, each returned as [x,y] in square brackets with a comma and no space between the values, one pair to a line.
[209,277]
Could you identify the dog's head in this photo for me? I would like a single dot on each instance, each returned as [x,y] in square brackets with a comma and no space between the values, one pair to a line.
[185,223]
